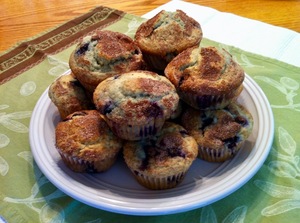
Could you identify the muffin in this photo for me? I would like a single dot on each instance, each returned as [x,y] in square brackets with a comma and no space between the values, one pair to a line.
[136,104]
[219,133]
[205,77]
[165,35]
[162,161]
[68,95]
[85,142]
[102,55]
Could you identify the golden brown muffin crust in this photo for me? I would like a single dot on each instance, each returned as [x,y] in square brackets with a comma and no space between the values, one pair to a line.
[102,55]
[168,32]
[136,97]
[172,149]
[205,71]
[213,128]
[85,135]
[69,95]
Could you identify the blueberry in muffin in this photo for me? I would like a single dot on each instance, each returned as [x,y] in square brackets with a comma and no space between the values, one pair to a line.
[102,55]
[85,142]
[165,35]
[161,161]
[69,96]
[219,133]
[205,77]
[136,104]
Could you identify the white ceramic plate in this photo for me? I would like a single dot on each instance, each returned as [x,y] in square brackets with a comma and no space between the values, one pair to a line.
[117,191]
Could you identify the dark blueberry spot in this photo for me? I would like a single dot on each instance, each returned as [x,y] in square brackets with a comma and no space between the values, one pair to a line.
[152,151]
[183,133]
[135,172]
[231,142]
[241,120]
[180,81]
[76,83]
[144,164]
[136,51]
[90,168]
[206,121]
[145,160]
[175,151]
[109,106]
[153,110]
[204,101]
[82,49]
[117,76]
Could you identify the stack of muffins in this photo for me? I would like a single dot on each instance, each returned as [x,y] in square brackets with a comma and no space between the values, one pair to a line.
[161,100]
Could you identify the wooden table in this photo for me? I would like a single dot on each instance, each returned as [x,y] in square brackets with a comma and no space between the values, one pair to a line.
[21,20]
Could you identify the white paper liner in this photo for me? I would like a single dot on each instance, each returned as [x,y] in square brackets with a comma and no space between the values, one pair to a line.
[159,183]
[136,132]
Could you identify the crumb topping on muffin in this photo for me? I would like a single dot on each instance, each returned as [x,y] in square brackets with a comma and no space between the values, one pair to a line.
[217,129]
[106,51]
[104,54]
[69,95]
[136,97]
[85,135]
[205,71]
[172,149]
[168,33]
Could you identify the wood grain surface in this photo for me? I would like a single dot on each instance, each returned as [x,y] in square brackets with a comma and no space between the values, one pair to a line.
[22,19]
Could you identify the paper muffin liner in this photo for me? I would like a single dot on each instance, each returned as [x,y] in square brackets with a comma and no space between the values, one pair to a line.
[157,182]
[206,101]
[136,132]
[210,101]
[83,166]
[218,155]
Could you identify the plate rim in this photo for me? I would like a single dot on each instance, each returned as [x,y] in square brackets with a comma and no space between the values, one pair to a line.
[264,113]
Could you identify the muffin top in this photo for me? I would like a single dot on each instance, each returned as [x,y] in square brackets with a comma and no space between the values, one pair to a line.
[205,71]
[168,33]
[85,135]
[68,95]
[136,97]
[218,129]
[171,151]
[103,54]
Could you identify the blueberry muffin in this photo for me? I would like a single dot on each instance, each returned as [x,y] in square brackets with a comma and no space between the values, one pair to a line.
[219,133]
[205,77]
[136,104]
[162,161]
[165,35]
[68,95]
[85,142]
[102,55]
